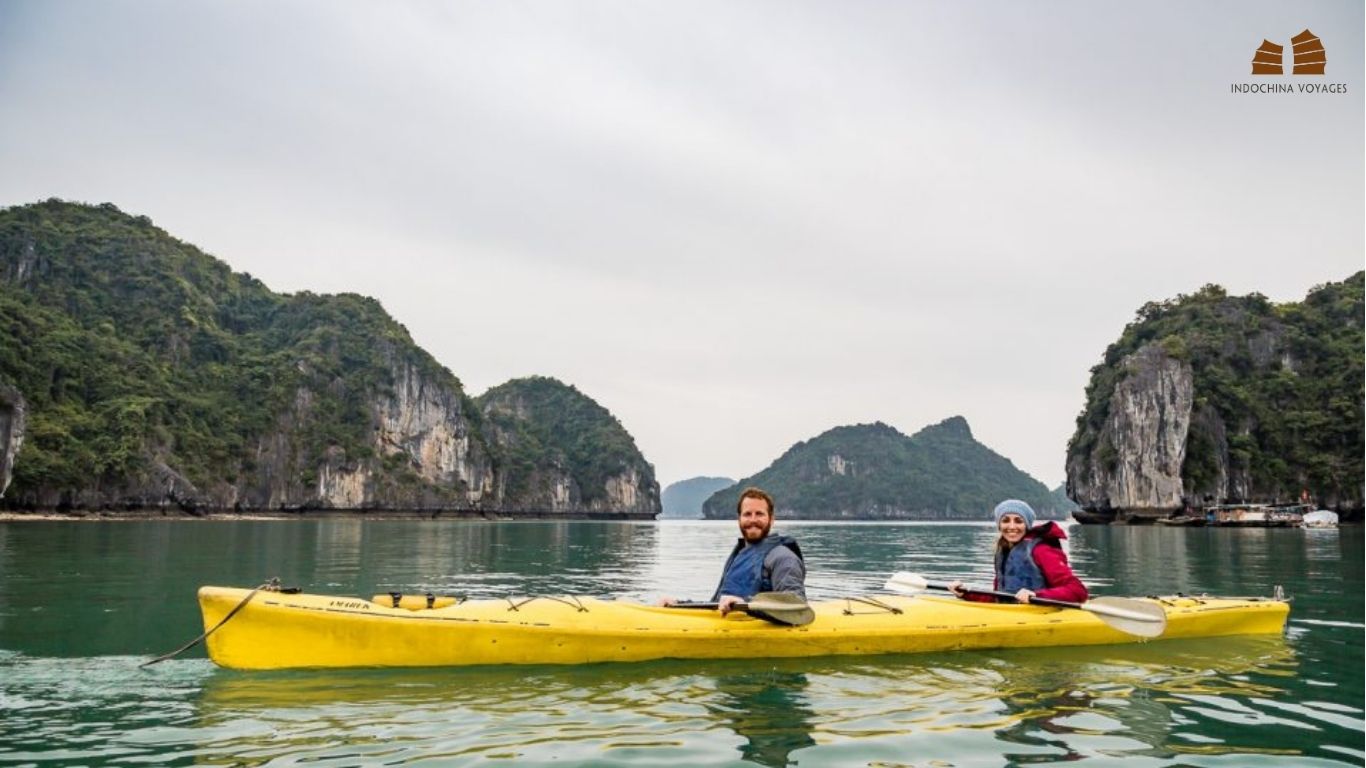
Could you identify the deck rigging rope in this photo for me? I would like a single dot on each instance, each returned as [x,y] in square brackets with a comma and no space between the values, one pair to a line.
[868,600]
[570,600]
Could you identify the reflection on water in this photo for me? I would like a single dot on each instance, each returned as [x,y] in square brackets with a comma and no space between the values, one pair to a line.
[1161,701]
[81,605]
[1135,701]
[480,559]
[530,714]
[1057,705]
[769,710]
[1228,561]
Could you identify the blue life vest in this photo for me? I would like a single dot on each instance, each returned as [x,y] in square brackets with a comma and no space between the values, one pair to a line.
[744,574]
[1016,569]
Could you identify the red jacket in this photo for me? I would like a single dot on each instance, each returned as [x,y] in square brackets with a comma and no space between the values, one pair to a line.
[1052,562]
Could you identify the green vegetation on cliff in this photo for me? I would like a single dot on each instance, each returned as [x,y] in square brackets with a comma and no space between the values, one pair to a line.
[873,471]
[545,428]
[1284,382]
[150,371]
[133,348]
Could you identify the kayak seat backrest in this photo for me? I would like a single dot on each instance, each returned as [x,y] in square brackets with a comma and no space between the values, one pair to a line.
[413,602]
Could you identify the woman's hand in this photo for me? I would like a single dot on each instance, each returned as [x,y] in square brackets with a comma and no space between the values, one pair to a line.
[1024,595]
[956,587]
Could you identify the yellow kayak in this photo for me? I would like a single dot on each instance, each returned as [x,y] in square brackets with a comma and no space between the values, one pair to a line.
[275,630]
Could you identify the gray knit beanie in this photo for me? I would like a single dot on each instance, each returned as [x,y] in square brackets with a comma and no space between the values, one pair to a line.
[1016,507]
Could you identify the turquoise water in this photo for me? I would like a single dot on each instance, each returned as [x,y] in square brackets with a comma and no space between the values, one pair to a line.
[83,603]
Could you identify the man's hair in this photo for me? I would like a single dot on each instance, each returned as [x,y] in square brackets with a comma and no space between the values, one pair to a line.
[754,493]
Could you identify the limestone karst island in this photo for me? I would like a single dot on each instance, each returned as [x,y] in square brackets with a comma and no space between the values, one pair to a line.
[139,375]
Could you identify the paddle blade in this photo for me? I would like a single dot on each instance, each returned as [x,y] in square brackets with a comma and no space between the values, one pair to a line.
[909,583]
[1136,617]
[781,608]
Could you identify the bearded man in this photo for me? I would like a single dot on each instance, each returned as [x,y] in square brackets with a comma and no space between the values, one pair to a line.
[760,562]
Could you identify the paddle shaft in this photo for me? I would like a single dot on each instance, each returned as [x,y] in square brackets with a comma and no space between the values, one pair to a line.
[710,606]
[1134,617]
[1036,600]
[777,607]
[742,607]
[995,593]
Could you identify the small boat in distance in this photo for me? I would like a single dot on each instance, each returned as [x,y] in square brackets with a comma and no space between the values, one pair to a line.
[1321,518]
[1092,518]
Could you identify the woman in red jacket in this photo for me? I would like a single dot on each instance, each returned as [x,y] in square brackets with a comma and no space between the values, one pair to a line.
[1029,559]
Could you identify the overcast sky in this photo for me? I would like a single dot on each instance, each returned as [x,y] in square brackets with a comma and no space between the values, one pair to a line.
[734,224]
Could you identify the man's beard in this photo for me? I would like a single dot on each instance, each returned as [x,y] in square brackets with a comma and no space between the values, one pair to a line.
[752,535]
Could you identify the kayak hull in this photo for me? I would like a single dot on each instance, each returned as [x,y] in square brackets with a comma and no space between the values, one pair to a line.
[275,630]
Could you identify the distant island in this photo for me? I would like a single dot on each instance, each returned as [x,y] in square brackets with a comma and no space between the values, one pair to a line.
[139,373]
[684,498]
[1212,399]
[874,472]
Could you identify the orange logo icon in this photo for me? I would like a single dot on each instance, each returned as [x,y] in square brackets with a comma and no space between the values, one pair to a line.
[1267,59]
[1309,56]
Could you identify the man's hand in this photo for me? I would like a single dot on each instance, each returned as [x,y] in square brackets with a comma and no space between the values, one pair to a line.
[665,602]
[956,587]
[1024,595]
[727,603]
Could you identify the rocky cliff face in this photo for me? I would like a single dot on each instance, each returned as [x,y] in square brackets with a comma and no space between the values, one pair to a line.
[422,453]
[11,432]
[1135,462]
[425,454]
[557,450]
[1210,399]
[425,423]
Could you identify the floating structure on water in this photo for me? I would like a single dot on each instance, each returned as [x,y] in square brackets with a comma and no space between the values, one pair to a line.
[1221,515]
[1257,515]
[1193,521]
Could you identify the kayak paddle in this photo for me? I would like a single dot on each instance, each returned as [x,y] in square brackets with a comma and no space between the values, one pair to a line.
[777,607]
[1135,617]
